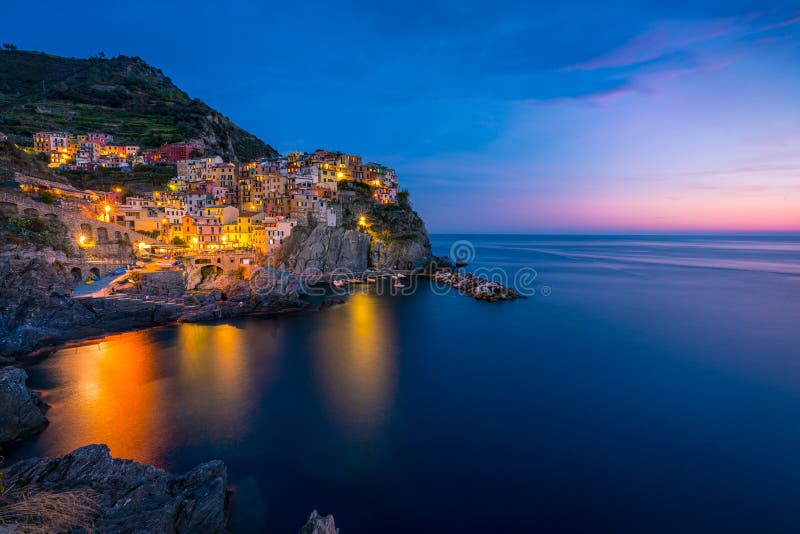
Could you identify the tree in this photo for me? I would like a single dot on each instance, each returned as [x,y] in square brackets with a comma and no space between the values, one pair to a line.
[178,241]
[9,46]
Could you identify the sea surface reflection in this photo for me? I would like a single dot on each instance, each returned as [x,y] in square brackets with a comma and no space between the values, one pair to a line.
[656,389]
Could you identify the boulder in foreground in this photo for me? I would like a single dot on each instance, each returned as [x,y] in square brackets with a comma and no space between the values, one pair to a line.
[121,495]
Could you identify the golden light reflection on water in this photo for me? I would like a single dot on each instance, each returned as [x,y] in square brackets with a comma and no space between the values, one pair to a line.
[355,364]
[113,388]
[131,391]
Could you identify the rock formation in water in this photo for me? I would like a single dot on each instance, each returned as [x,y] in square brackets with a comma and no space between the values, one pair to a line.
[318,524]
[21,409]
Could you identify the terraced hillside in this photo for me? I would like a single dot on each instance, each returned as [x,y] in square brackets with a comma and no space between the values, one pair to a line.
[123,96]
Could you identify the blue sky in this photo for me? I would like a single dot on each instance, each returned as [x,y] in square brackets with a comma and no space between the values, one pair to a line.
[498,116]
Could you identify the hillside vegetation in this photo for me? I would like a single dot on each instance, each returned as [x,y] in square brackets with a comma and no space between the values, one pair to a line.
[123,96]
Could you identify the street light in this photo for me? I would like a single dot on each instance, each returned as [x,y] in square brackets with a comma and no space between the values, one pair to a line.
[108,209]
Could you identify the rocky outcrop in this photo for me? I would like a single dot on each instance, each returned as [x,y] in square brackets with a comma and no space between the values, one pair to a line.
[21,410]
[322,249]
[127,496]
[266,292]
[389,237]
[318,524]
[163,284]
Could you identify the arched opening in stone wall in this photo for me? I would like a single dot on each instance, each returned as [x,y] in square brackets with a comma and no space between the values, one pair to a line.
[117,236]
[30,212]
[95,272]
[126,238]
[102,235]
[51,216]
[77,276]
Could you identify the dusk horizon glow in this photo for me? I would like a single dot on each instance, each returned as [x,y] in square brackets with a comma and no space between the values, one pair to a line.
[522,118]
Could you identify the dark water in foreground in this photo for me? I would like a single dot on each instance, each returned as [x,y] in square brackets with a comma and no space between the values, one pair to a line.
[656,389]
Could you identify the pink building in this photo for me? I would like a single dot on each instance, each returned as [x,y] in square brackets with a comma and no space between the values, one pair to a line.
[175,152]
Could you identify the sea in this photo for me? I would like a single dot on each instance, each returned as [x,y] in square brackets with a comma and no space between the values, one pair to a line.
[644,384]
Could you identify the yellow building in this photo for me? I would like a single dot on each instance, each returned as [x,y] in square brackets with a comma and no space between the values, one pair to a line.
[247,231]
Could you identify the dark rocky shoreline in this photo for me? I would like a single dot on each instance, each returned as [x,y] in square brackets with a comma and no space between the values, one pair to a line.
[21,409]
[88,487]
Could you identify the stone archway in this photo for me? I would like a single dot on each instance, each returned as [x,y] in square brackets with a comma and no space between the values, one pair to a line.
[95,272]
[102,235]
[51,217]
[77,276]
[30,212]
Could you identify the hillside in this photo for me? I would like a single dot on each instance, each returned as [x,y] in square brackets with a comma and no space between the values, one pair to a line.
[123,96]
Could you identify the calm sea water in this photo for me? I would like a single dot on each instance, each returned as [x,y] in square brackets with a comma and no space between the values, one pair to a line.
[656,388]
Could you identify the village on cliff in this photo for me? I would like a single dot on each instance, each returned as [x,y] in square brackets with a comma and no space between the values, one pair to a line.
[210,205]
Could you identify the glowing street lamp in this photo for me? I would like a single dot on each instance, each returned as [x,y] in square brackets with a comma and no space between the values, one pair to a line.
[108,209]
[362,221]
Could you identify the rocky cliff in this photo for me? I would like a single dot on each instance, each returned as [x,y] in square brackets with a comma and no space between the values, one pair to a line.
[21,410]
[371,236]
[109,495]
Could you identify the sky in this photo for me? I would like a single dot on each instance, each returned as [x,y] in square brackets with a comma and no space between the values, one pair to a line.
[614,116]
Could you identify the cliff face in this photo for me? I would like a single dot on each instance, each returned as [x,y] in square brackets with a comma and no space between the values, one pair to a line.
[392,237]
[123,96]
[323,249]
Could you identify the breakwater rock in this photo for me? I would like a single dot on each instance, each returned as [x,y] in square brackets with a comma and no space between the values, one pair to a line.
[21,409]
[114,495]
[477,287]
